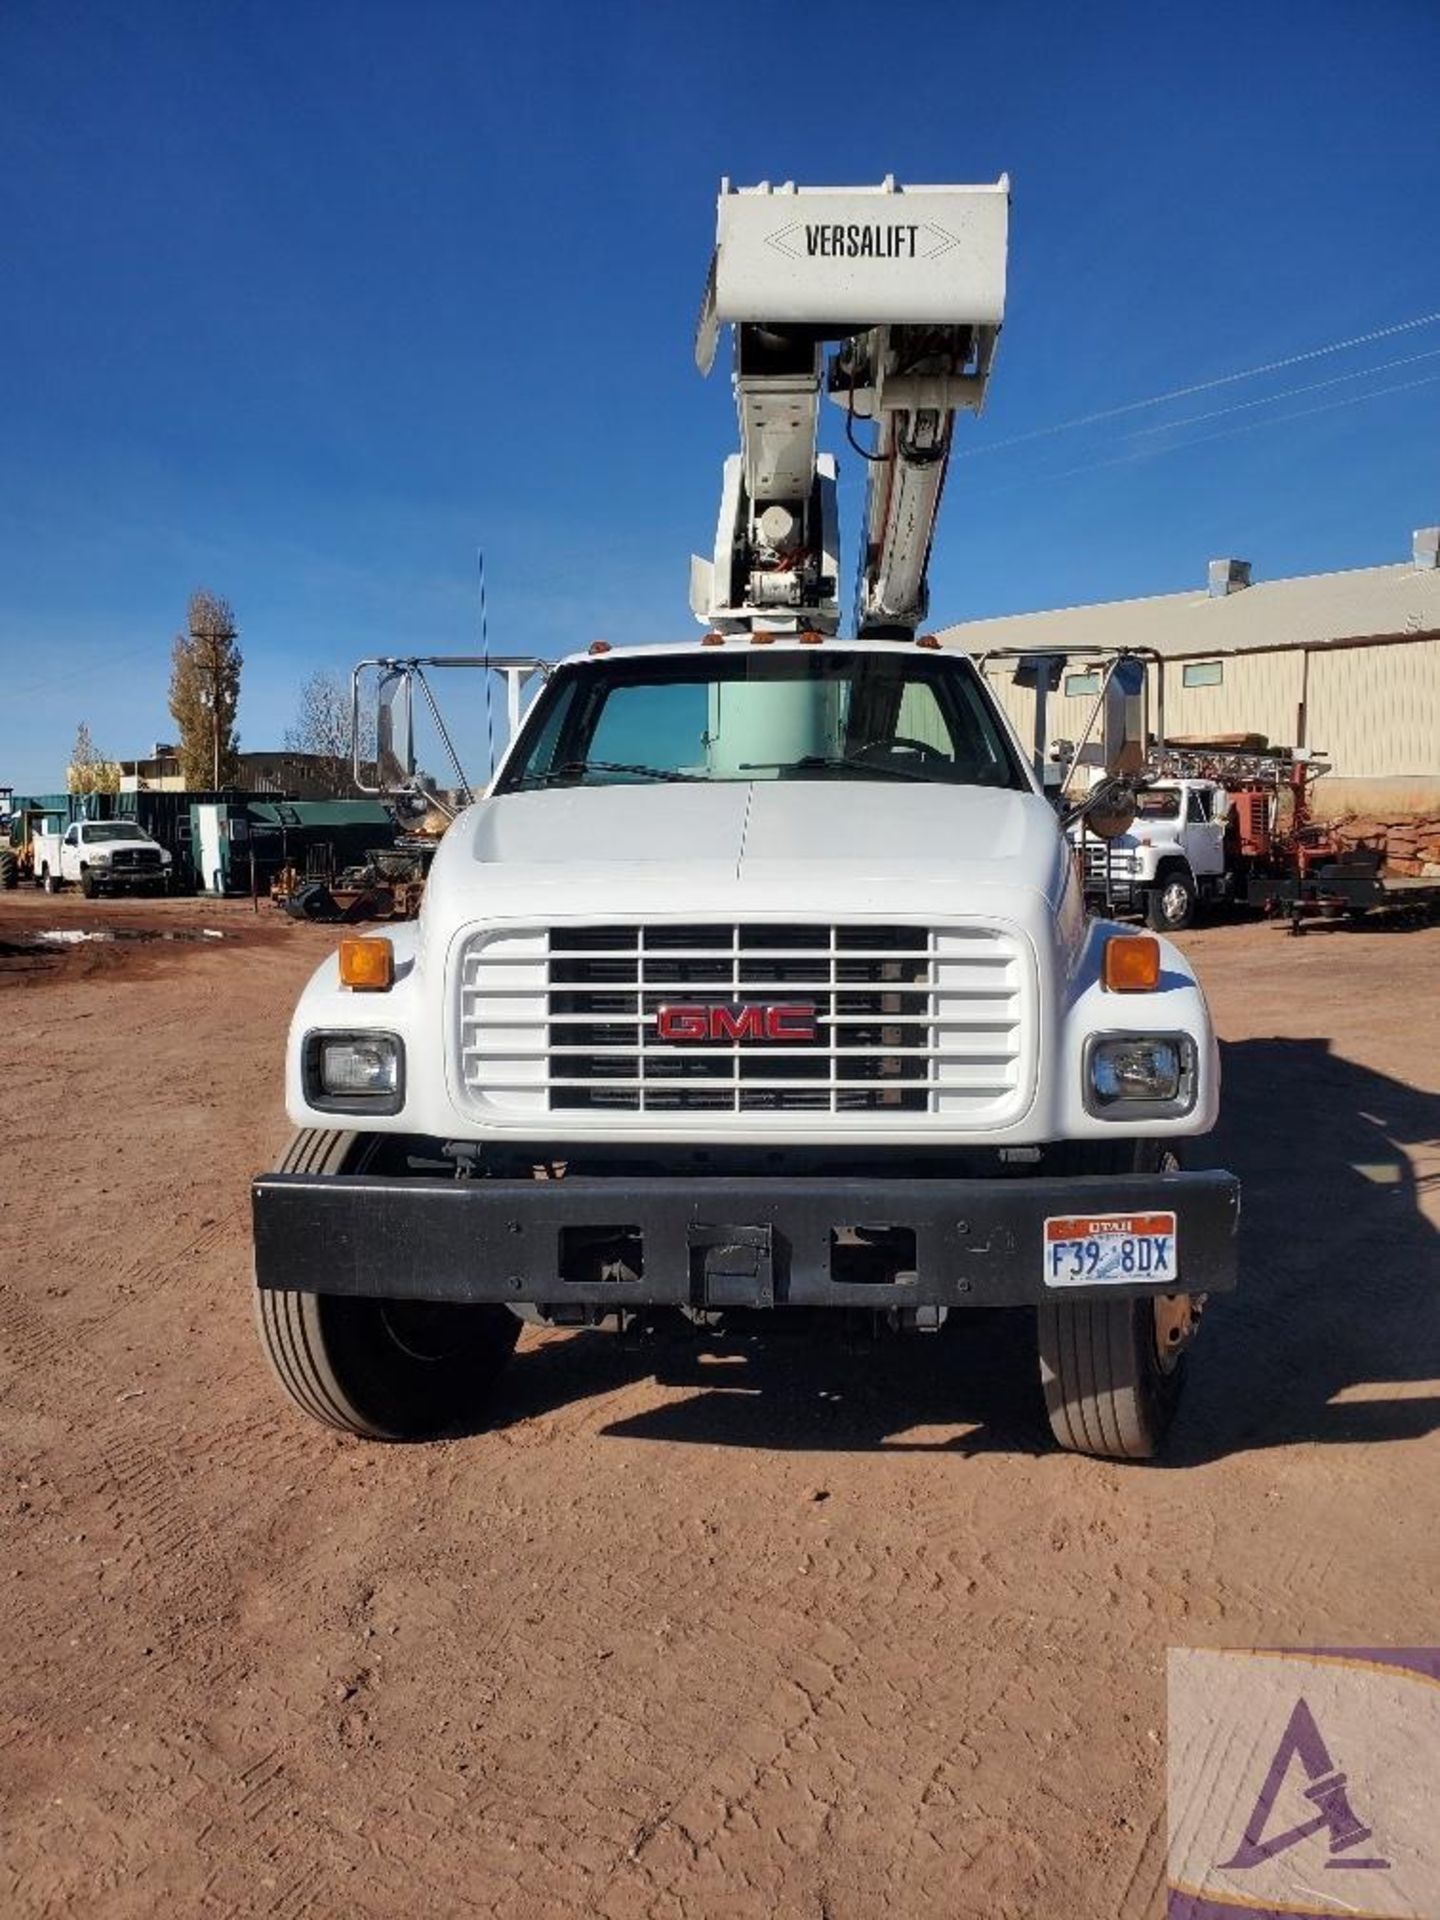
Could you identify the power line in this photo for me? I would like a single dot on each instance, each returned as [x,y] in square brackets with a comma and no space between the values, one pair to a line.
[1205,386]
[87,670]
[1226,433]
[1285,393]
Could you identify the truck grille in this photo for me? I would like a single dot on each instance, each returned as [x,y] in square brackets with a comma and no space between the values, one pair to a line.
[129,859]
[1099,856]
[907,1020]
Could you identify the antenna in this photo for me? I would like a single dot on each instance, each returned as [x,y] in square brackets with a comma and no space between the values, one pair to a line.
[489,676]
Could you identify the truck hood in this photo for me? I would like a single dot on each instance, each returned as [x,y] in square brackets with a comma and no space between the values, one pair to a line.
[814,845]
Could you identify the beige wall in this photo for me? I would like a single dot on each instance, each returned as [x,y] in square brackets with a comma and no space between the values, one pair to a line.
[159,783]
[1067,713]
[1259,693]
[1335,798]
[1374,711]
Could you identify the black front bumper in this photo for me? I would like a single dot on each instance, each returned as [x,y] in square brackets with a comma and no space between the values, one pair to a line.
[714,1242]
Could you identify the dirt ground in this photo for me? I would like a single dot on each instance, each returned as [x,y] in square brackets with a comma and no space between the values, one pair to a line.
[821,1632]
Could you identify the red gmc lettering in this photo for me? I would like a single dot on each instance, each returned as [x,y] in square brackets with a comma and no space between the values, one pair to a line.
[790,1023]
[683,1024]
[737,1023]
[698,1025]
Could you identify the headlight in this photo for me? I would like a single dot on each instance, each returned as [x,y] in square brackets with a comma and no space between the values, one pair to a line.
[1140,1075]
[359,1066]
[354,1072]
[99,859]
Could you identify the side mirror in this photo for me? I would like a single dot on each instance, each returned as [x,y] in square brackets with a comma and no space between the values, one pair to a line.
[382,728]
[1124,720]
[394,733]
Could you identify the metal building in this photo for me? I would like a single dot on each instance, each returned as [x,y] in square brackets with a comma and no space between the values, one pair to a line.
[1347,664]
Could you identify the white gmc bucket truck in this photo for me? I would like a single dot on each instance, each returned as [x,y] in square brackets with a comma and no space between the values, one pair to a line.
[759,979]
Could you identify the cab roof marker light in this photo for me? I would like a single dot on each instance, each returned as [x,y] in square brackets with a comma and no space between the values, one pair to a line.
[929,640]
[598,646]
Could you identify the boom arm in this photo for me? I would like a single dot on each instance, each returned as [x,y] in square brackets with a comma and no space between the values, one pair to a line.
[890,300]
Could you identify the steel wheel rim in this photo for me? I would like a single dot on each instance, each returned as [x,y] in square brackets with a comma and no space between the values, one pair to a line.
[1174,1328]
[1173,901]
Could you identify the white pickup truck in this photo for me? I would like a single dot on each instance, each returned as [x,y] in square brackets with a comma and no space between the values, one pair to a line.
[101,856]
[1171,860]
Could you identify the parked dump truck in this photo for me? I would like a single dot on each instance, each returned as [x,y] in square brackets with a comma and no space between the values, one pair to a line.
[759,981]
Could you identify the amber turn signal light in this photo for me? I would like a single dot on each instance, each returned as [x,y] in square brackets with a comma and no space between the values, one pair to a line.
[1131,963]
[368,966]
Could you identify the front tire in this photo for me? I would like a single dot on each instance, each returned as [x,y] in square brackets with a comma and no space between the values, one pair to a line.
[381,1369]
[87,884]
[1113,1370]
[1170,904]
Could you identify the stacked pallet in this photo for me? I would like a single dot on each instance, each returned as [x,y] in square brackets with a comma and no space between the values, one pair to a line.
[1410,842]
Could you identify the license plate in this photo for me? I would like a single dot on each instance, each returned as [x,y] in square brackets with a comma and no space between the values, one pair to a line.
[1111,1249]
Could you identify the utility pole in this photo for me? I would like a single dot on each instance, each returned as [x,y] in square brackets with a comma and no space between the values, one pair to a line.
[214,639]
[215,712]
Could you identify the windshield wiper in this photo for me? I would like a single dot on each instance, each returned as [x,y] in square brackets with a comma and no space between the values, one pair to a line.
[826,763]
[574,769]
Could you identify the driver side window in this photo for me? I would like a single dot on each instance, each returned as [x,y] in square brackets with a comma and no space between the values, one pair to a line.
[662,725]
[1196,811]
[920,718]
[72,836]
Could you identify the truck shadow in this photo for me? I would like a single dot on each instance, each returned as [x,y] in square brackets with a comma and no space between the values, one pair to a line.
[1334,1333]
[1333,1336]
[806,1384]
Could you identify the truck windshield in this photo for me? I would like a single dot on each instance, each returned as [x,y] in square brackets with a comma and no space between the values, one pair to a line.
[748,715]
[112,830]
[1160,803]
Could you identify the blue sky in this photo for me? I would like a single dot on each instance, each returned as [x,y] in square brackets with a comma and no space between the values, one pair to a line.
[309,302]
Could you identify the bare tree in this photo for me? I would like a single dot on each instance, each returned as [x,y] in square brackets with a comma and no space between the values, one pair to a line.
[205,692]
[323,728]
[90,771]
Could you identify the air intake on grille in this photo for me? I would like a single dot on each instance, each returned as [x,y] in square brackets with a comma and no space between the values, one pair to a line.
[759,1018]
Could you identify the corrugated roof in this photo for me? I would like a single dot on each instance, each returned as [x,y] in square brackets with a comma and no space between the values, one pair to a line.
[1363,604]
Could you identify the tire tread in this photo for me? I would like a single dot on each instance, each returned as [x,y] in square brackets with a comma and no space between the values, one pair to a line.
[288,1323]
[1103,1394]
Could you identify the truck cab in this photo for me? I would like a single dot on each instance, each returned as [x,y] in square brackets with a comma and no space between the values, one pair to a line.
[1169,862]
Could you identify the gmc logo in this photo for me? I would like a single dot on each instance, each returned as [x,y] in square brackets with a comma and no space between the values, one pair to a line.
[701,1024]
